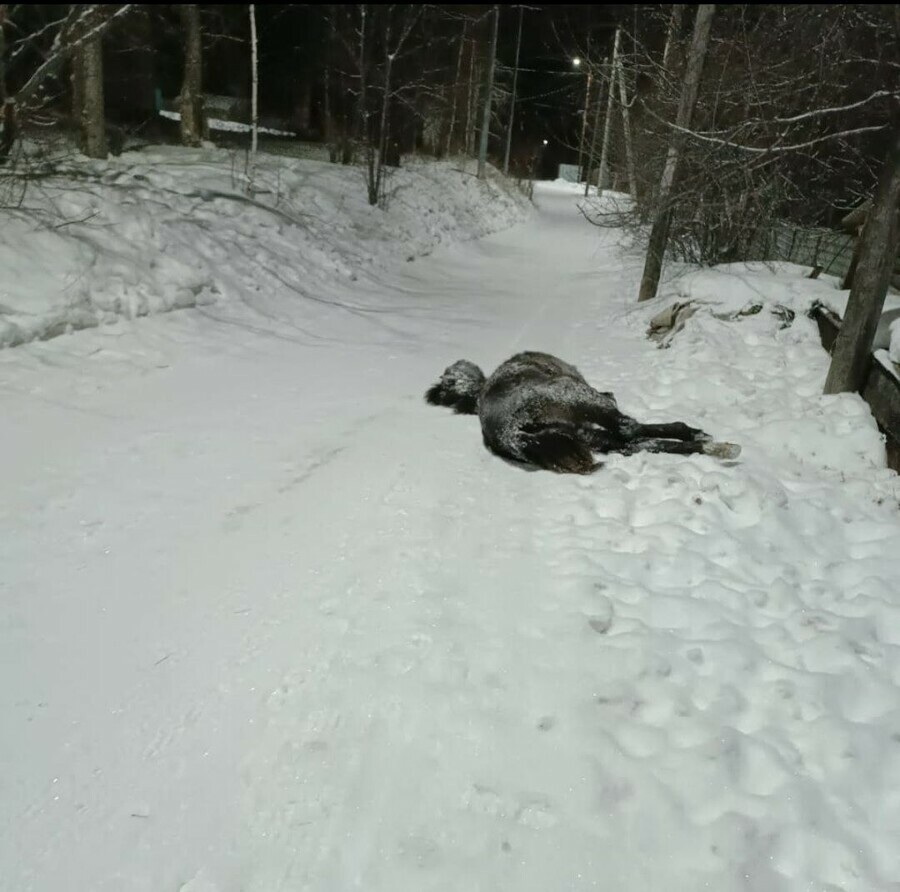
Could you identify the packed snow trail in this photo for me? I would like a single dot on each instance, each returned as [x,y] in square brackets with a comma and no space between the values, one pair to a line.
[272,623]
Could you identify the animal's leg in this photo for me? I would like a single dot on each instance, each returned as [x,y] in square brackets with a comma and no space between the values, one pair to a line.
[656,444]
[594,407]
[674,430]
[620,425]
[679,447]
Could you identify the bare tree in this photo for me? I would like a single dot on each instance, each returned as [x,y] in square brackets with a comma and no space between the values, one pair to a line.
[877,254]
[192,84]
[82,23]
[455,91]
[472,99]
[393,46]
[489,93]
[660,232]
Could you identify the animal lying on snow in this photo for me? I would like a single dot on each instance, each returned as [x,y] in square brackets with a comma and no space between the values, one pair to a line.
[539,410]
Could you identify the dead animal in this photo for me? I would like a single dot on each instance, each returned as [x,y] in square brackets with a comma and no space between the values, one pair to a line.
[538,410]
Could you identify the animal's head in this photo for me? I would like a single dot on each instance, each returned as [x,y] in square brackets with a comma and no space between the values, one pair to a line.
[459,387]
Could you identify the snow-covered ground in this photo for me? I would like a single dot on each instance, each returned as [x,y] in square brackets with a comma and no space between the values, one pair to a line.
[169,228]
[270,622]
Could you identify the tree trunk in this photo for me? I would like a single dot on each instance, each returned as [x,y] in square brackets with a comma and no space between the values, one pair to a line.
[472,101]
[459,61]
[254,83]
[91,119]
[512,105]
[489,95]
[3,8]
[672,34]
[659,234]
[603,175]
[327,113]
[77,83]
[850,358]
[192,85]
[362,112]
[7,108]
[375,186]
[626,129]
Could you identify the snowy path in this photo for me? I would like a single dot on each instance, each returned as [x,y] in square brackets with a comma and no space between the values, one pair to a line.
[272,623]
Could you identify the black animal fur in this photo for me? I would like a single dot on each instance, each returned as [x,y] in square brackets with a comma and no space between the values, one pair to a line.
[539,410]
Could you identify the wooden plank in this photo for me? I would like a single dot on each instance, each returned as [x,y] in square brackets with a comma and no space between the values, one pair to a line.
[829,325]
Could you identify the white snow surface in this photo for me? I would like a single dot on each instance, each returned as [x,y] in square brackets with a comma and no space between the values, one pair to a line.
[270,622]
[894,349]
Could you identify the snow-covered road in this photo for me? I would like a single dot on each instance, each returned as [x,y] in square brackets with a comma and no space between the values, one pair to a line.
[270,622]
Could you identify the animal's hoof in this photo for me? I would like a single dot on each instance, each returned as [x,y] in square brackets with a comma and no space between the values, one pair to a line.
[722,450]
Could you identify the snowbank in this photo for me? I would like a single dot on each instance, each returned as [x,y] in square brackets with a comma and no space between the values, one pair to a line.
[169,228]
[771,394]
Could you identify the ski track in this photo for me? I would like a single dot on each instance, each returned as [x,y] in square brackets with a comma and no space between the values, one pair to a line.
[272,623]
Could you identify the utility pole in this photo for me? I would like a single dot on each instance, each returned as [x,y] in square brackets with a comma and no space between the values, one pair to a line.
[254,94]
[512,107]
[584,114]
[590,160]
[603,174]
